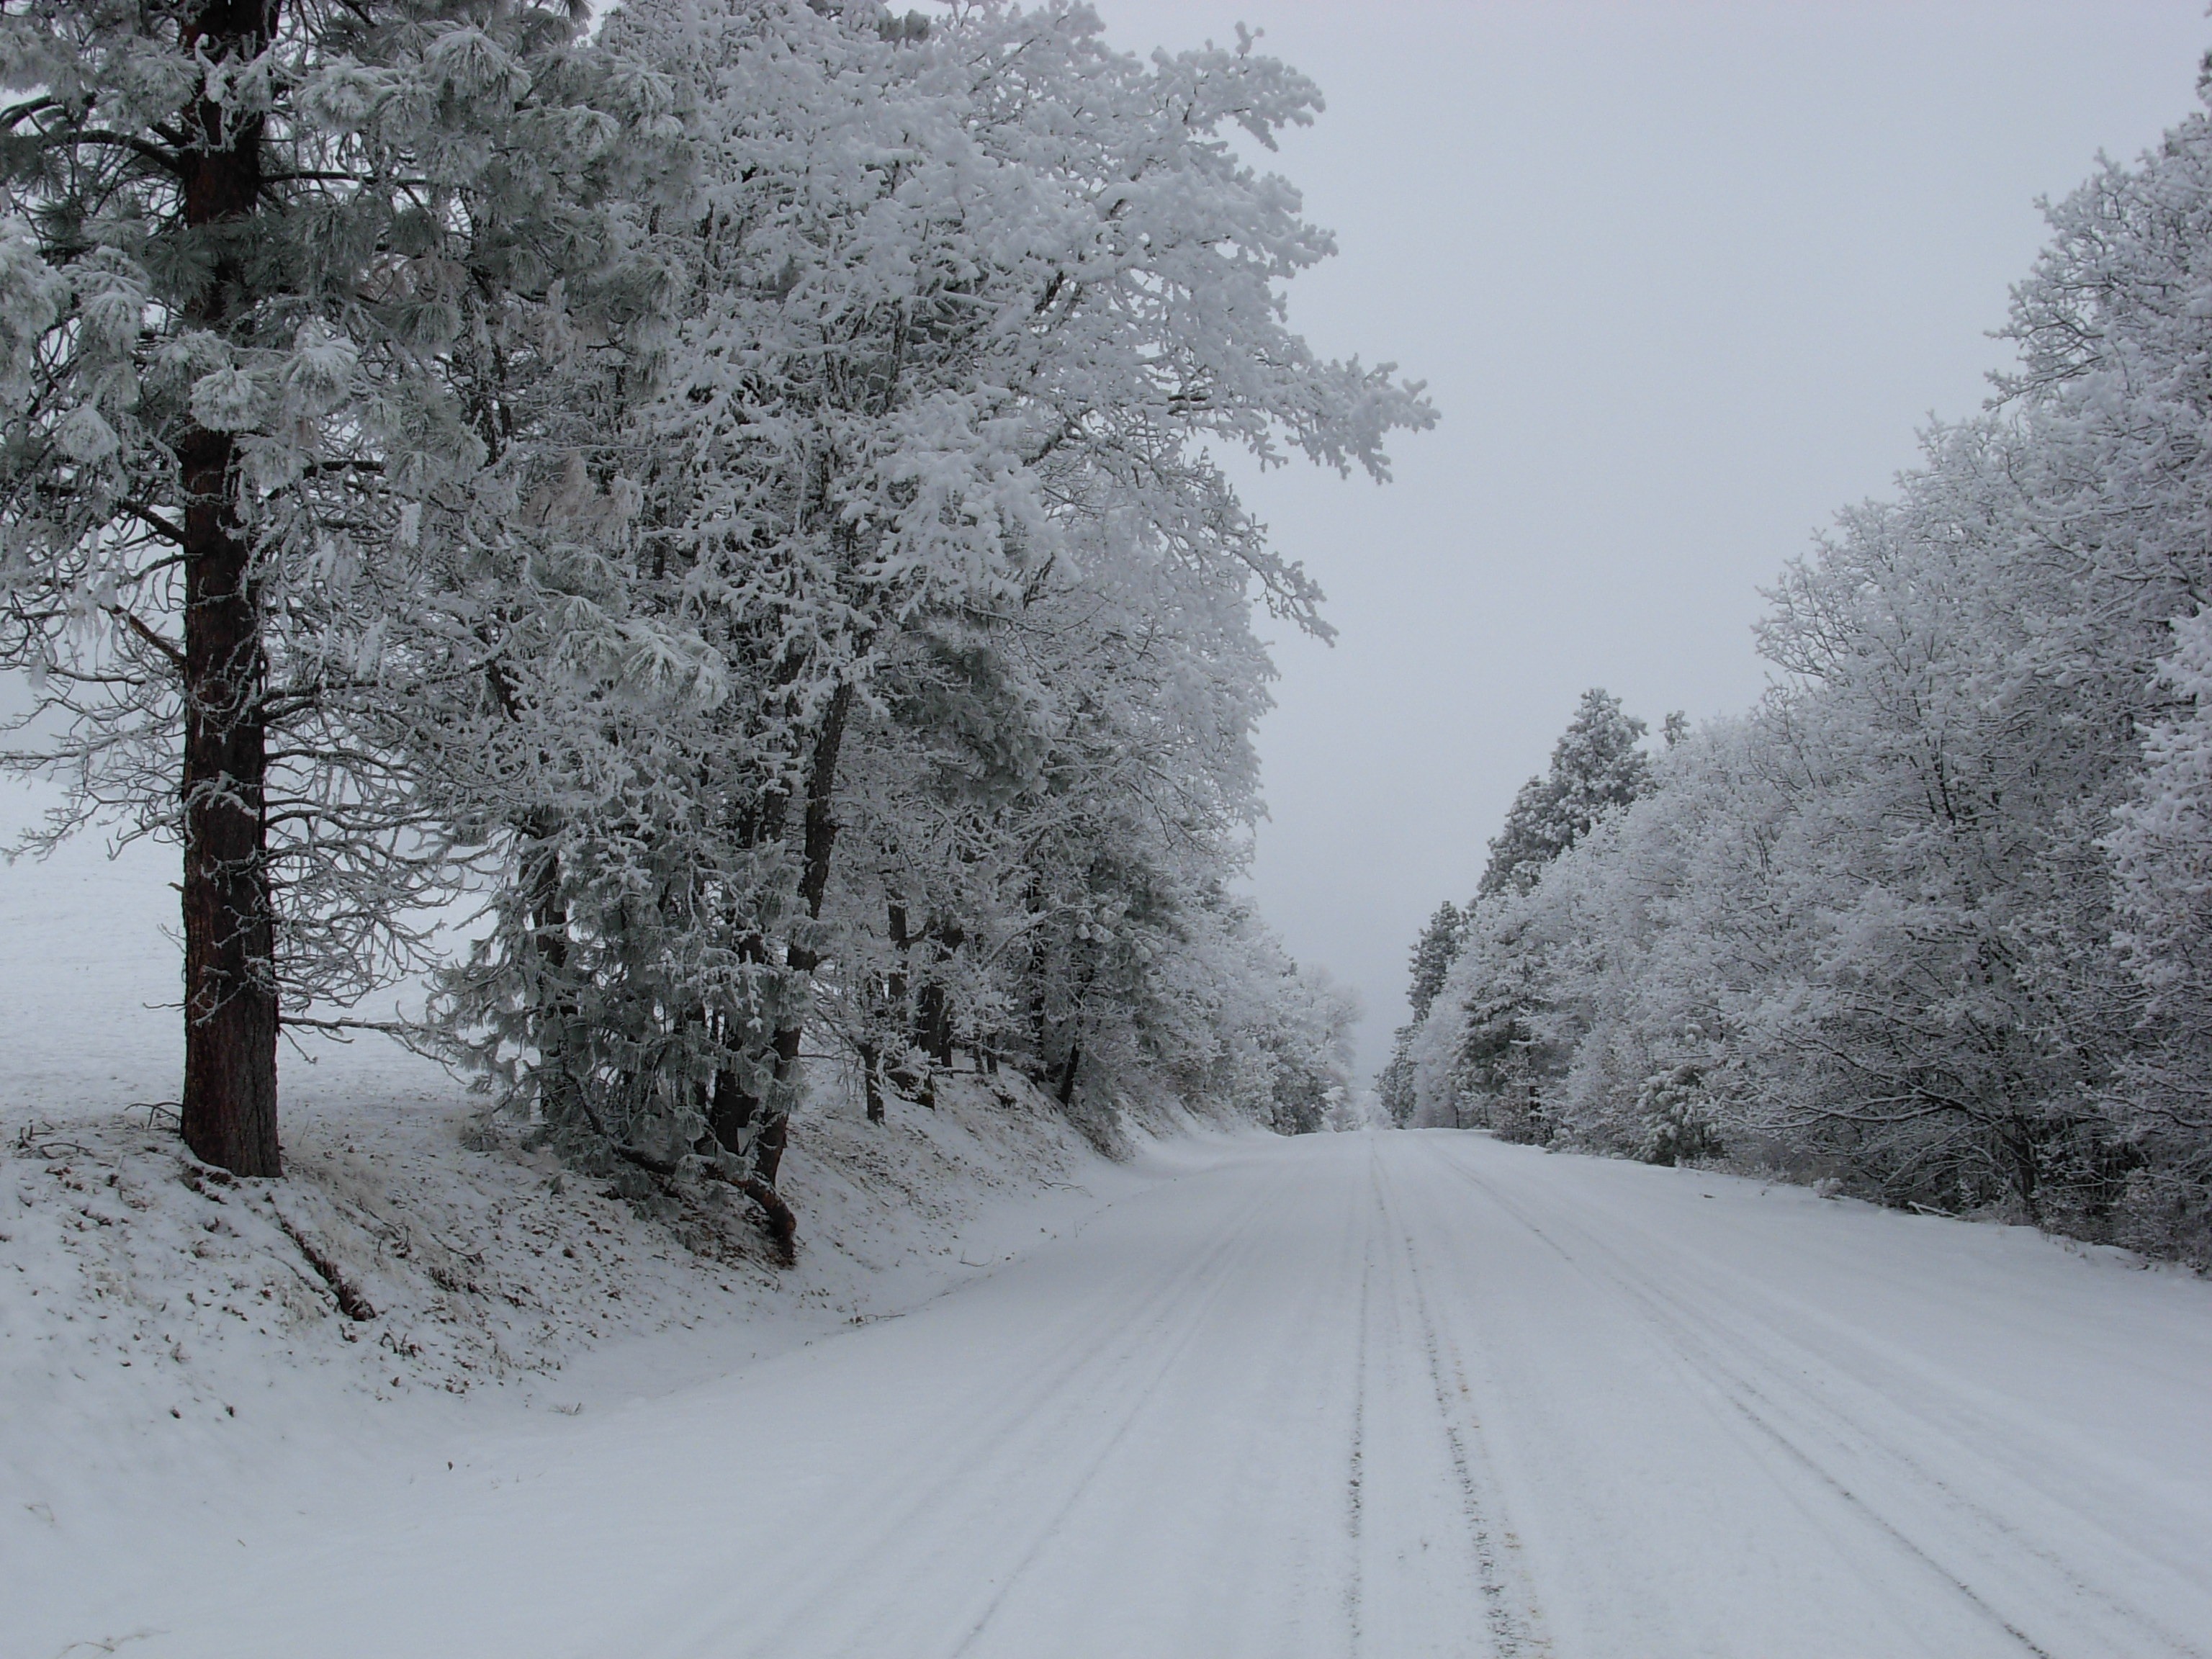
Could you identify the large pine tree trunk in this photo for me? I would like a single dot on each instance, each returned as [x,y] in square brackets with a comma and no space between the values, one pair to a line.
[229,1114]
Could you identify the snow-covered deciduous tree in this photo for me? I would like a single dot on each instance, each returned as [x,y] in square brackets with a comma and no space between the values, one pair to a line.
[1929,920]
[1310,1042]
[2162,855]
[923,469]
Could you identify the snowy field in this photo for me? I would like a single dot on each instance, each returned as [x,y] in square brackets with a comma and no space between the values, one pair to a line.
[1386,1394]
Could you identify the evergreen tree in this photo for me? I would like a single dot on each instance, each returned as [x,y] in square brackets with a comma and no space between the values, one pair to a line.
[1394,1083]
[1439,945]
[255,262]
[1488,1049]
[1596,767]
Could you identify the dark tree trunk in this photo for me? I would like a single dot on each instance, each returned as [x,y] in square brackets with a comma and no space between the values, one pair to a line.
[901,941]
[547,940]
[2020,1142]
[821,841]
[229,1109]
[933,1021]
[730,1115]
[901,1014]
[1071,1022]
[872,1080]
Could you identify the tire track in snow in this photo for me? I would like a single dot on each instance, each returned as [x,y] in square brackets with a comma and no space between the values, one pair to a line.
[1704,1343]
[1355,1516]
[1166,1359]
[1509,1603]
[1238,1249]
[1699,1358]
[1014,1432]
[1627,1396]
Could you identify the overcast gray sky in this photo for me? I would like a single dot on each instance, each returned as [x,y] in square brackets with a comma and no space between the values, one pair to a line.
[1684,278]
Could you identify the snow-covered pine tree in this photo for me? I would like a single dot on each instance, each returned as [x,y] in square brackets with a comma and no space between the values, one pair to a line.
[1434,953]
[1596,767]
[1439,946]
[1482,1057]
[253,259]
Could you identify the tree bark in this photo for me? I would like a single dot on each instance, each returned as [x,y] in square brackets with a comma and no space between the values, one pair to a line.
[932,1023]
[548,941]
[229,1107]
[821,841]
[872,1080]
[900,1013]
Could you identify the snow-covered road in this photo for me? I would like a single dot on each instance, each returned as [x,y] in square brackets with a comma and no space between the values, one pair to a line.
[1388,1395]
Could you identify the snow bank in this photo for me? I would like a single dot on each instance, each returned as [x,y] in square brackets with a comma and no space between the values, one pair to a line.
[183,1355]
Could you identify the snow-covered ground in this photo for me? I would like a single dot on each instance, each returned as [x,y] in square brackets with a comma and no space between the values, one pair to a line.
[1373,1394]
[1367,1394]
[175,1372]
